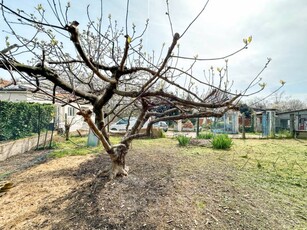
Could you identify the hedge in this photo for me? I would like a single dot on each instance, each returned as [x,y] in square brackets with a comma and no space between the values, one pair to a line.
[21,119]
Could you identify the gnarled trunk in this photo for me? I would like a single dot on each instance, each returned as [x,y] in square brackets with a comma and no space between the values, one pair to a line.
[117,153]
[118,167]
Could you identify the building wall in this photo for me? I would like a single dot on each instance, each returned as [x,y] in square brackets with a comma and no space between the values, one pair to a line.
[69,114]
[15,96]
[11,148]
[300,120]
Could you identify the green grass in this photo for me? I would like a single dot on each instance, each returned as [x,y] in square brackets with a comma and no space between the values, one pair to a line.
[221,141]
[278,166]
[76,146]
[183,140]
[274,166]
[284,134]
[206,135]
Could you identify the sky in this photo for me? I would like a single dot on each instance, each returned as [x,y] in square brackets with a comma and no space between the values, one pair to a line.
[278,27]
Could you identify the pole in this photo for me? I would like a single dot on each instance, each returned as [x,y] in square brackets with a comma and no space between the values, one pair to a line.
[197,128]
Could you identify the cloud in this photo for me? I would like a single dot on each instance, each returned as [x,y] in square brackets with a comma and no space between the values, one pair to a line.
[278,28]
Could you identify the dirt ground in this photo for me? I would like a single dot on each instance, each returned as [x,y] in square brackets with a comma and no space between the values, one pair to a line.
[164,190]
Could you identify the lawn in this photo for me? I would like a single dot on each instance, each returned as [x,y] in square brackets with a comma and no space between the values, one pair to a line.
[257,184]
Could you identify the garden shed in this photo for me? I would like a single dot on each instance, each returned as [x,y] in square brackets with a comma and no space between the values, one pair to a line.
[295,121]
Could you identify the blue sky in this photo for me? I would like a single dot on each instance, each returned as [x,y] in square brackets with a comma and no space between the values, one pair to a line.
[278,27]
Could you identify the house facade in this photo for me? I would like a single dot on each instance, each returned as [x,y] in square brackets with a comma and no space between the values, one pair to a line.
[21,92]
[295,118]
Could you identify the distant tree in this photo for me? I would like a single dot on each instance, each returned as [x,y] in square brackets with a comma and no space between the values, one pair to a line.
[293,104]
[279,101]
[257,103]
[246,110]
[107,67]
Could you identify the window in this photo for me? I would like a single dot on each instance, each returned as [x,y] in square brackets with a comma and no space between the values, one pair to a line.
[71,111]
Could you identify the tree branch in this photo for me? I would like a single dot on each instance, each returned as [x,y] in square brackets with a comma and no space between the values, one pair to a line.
[72,29]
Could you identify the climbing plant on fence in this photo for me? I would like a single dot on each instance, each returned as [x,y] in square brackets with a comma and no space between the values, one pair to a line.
[21,119]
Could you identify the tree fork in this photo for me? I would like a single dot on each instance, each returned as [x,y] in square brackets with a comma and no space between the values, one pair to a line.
[117,153]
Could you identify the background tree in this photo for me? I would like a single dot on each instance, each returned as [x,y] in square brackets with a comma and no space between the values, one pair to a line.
[110,70]
[279,101]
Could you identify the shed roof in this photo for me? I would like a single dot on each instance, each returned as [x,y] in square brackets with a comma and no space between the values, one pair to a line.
[293,111]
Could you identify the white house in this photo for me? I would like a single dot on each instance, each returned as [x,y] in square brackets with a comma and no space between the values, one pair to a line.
[24,92]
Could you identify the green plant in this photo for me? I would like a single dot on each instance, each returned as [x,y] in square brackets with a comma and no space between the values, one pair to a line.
[201,204]
[222,141]
[21,119]
[76,146]
[284,134]
[206,135]
[183,140]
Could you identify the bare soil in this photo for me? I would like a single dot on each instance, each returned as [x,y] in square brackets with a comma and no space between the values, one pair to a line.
[164,190]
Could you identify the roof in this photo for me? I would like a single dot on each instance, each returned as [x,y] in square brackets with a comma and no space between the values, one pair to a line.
[13,87]
[293,111]
[4,83]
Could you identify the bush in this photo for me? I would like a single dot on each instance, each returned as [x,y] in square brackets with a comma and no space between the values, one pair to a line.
[183,140]
[221,141]
[21,119]
[284,134]
[205,136]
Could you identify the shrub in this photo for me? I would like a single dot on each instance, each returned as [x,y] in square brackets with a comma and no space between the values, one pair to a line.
[183,140]
[221,141]
[21,119]
[284,134]
[205,136]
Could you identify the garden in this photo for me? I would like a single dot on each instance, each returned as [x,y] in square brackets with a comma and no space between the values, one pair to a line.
[253,184]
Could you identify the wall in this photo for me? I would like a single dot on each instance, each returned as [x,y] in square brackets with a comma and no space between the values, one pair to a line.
[11,148]
[14,96]
[302,134]
[77,122]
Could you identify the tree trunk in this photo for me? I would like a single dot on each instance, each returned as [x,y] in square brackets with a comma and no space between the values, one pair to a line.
[118,167]
[67,128]
[117,153]
[243,126]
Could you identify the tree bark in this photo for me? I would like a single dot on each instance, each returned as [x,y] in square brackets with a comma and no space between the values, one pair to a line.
[118,157]
[243,126]
[67,129]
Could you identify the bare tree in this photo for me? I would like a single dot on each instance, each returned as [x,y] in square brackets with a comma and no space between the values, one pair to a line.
[279,101]
[111,71]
